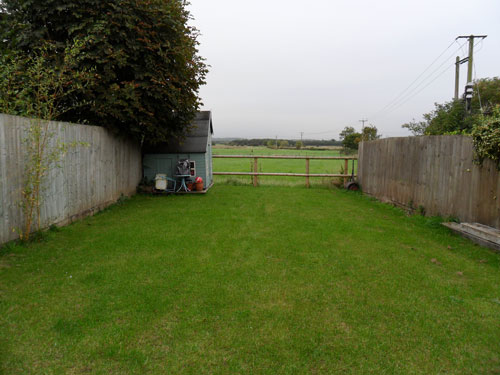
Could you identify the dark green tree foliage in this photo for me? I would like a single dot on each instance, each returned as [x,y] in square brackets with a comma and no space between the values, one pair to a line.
[143,53]
[486,137]
[451,117]
[447,118]
[350,138]
[351,141]
[348,130]
[489,95]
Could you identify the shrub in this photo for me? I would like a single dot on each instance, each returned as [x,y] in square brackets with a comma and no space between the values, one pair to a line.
[486,137]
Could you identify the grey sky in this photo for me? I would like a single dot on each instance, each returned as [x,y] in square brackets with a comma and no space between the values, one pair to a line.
[279,67]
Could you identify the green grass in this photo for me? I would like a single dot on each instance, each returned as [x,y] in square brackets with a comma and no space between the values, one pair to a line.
[247,280]
[277,165]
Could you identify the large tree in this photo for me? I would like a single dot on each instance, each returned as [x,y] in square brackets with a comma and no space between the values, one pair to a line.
[143,53]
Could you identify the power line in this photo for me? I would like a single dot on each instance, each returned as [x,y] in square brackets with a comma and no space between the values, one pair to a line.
[416,79]
[480,47]
[419,91]
[477,87]
[404,96]
[411,93]
[427,85]
[461,47]
[323,132]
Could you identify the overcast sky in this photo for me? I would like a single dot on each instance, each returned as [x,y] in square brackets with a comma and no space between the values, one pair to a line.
[281,67]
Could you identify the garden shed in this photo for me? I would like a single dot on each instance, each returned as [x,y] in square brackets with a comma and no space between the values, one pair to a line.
[196,147]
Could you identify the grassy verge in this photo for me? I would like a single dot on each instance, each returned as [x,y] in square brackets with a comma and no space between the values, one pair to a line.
[244,280]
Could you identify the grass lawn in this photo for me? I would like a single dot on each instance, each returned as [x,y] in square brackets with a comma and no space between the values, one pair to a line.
[243,280]
[276,165]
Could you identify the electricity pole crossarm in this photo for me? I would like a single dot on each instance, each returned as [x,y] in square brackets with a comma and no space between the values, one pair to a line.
[470,59]
[363,120]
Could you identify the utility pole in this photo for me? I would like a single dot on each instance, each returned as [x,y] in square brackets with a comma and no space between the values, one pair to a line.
[301,135]
[470,67]
[458,62]
[470,59]
[363,120]
[457,76]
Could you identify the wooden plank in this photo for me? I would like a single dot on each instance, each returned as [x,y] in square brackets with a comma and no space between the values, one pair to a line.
[474,237]
[346,170]
[280,174]
[255,170]
[285,157]
[307,173]
[360,167]
[478,229]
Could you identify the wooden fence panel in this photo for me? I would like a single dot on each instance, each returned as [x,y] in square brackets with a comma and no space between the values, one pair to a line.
[435,172]
[88,179]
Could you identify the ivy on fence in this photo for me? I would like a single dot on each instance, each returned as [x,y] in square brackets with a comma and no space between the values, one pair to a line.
[486,137]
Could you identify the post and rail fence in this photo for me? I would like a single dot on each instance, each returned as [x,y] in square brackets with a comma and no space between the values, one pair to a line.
[307,175]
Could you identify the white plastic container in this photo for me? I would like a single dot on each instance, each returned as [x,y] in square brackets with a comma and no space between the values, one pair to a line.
[161,182]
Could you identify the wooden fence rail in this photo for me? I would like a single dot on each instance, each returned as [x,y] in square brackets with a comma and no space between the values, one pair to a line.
[307,175]
[285,157]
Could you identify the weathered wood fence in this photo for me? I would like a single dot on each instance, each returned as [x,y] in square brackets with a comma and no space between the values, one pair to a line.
[89,178]
[436,173]
[307,175]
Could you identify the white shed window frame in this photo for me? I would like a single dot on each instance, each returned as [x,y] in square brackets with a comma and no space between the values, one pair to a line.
[192,168]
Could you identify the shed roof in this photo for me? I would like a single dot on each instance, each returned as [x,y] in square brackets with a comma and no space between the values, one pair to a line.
[195,141]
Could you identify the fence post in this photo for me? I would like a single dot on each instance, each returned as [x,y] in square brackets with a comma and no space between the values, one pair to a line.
[307,173]
[255,169]
[346,169]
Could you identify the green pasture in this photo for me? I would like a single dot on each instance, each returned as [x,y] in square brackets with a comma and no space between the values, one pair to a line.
[244,280]
[277,165]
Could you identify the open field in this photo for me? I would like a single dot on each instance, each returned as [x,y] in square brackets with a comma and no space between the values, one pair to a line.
[247,280]
[276,165]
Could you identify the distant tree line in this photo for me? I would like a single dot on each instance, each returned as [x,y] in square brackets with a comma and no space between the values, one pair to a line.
[282,143]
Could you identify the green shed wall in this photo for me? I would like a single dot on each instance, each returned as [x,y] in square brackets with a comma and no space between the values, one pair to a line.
[210,175]
[166,163]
